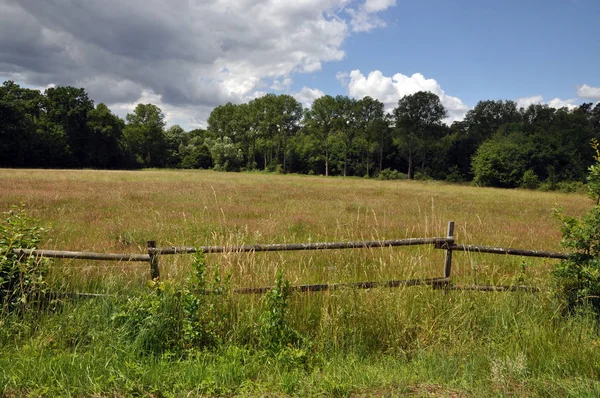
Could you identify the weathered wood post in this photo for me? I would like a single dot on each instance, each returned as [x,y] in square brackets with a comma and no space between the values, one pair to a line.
[449,244]
[154,271]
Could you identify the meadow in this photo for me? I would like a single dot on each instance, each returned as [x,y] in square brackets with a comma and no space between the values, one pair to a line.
[384,342]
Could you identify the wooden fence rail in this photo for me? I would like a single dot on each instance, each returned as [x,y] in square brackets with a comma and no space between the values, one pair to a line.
[278,247]
[82,255]
[448,244]
[509,251]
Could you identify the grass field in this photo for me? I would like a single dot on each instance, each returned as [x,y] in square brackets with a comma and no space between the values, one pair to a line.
[384,342]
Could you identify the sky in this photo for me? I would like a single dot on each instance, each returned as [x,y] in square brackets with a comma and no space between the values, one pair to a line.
[188,56]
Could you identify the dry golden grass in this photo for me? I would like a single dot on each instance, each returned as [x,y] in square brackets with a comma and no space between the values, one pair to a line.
[420,341]
[119,211]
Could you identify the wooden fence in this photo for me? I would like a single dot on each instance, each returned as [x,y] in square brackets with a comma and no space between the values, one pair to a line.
[443,243]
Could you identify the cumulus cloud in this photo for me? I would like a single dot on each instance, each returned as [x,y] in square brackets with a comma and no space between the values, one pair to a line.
[557,103]
[365,18]
[524,102]
[307,96]
[187,116]
[390,89]
[589,92]
[560,103]
[189,53]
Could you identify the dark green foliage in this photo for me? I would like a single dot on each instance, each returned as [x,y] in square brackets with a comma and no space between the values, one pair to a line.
[496,144]
[22,278]
[106,131]
[19,109]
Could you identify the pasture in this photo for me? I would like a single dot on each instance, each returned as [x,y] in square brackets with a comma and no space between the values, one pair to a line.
[412,340]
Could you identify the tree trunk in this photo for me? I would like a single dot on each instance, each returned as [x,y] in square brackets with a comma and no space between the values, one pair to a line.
[410,166]
[345,159]
[381,154]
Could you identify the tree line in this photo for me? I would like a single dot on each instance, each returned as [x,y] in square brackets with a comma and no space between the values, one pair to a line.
[497,143]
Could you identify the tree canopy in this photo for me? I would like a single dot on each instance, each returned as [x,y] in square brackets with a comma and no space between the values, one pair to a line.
[496,144]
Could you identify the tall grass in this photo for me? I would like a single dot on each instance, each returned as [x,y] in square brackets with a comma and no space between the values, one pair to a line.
[410,340]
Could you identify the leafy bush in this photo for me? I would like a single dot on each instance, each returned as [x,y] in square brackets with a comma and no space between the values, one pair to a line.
[579,276]
[275,332]
[226,155]
[22,277]
[389,174]
[173,319]
[571,186]
[454,175]
[501,161]
[422,176]
[530,180]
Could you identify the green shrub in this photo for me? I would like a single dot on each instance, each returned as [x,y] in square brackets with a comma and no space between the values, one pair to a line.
[173,319]
[22,277]
[571,186]
[578,276]
[389,174]
[422,176]
[275,333]
[530,180]
[593,178]
[454,175]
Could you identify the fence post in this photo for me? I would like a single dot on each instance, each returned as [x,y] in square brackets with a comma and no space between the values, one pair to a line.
[154,271]
[448,262]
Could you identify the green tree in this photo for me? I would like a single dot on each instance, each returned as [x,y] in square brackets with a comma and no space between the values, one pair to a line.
[67,108]
[346,124]
[20,108]
[106,133]
[175,137]
[418,122]
[287,118]
[196,155]
[221,122]
[502,161]
[320,120]
[371,129]
[144,135]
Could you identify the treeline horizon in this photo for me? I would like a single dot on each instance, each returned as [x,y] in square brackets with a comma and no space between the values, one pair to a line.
[497,144]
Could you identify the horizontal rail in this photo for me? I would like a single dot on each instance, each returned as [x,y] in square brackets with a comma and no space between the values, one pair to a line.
[356,285]
[509,251]
[496,288]
[82,255]
[302,246]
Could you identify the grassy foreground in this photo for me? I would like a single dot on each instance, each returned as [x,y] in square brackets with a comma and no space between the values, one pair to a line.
[413,341]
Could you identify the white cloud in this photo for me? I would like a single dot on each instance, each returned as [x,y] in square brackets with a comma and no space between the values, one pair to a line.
[560,103]
[192,53]
[187,116]
[365,18]
[307,96]
[556,103]
[390,89]
[280,85]
[378,5]
[587,91]
[524,102]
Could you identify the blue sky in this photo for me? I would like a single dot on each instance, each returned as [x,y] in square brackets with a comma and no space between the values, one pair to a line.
[481,50]
[189,56]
